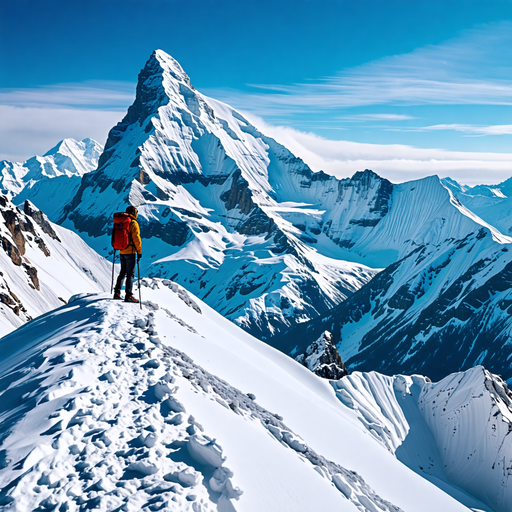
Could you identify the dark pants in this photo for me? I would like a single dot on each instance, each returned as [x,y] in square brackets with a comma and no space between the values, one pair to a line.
[128,271]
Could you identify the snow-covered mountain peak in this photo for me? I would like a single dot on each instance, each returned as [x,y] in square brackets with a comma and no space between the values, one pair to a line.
[69,158]
[169,66]
[209,188]
[89,148]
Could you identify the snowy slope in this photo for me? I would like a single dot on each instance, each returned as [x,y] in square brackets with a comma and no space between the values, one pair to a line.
[456,429]
[42,265]
[439,310]
[175,408]
[50,181]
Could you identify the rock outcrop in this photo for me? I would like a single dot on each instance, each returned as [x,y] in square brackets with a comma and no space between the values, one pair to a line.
[323,359]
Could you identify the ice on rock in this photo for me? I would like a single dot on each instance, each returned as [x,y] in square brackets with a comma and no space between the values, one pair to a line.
[175,419]
[140,323]
[108,376]
[221,482]
[205,451]
[171,404]
[148,440]
[342,485]
[158,392]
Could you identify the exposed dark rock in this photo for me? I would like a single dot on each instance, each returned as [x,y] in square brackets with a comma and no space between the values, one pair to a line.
[323,359]
[93,226]
[187,213]
[12,222]
[239,195]
[7,299]
[173,232]
[257,224]
[12,302]
[365,223]
[144,178]
[12,251]
[32,274]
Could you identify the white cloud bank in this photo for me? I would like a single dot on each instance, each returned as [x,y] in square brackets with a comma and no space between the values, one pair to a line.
[26,132]
[396,162]
[33,120]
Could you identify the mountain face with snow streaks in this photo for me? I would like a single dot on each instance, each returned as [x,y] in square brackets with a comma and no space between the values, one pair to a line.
[174,407]
[239,220]
[438,310]
[493,203]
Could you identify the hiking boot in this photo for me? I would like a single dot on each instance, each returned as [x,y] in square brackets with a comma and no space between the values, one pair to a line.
[117,295]
[131,298]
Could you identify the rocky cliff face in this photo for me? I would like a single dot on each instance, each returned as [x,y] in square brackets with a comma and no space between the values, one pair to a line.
[40,267]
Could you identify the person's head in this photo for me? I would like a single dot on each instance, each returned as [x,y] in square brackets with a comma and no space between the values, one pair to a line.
[132,211]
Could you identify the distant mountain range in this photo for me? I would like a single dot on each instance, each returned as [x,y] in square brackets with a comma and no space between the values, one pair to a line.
[287,253]
[105,405]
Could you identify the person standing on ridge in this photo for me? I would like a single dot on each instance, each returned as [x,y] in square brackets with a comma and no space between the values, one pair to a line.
[127,228]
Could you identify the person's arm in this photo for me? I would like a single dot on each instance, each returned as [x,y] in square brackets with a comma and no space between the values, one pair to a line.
[135,231]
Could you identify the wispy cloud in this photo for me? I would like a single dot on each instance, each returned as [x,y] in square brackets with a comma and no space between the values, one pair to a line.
[473,69]
[88,95]
[470,129]
[396,162]
[33,120]
[376,117]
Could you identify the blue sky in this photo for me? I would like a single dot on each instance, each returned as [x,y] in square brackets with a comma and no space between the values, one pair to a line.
[331,78]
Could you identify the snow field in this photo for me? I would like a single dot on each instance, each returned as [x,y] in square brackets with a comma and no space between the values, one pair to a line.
[103,425]
[121,442]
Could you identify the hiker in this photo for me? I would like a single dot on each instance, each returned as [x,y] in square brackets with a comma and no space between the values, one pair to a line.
[126,226]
